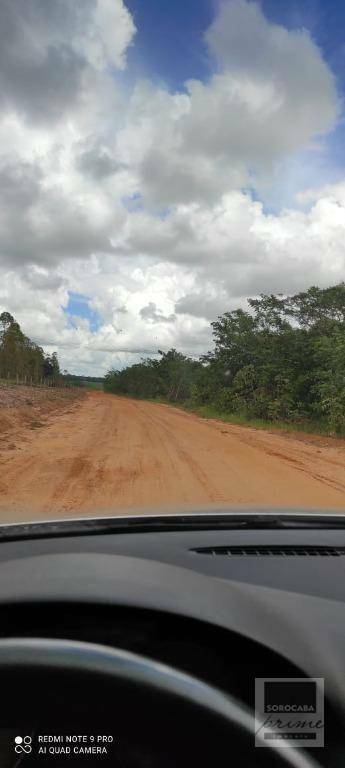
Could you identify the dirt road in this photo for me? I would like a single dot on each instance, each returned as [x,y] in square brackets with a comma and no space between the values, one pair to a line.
[107,453]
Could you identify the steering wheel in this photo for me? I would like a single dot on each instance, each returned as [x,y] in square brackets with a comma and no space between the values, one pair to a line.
[140,712]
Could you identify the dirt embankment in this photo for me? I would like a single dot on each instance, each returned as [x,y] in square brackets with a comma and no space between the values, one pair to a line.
[103,454]
[23,408]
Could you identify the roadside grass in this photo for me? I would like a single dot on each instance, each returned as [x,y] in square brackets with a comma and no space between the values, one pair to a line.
[93,385]
[87,385]
[311,427]
[306,427]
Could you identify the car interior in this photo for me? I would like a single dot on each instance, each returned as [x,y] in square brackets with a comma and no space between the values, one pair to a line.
[172,384]
[118,623]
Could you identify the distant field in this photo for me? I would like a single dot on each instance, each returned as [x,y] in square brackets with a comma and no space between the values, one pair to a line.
[92,385]
[85,383]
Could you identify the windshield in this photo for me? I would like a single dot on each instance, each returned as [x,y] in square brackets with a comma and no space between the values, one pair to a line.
[172,223]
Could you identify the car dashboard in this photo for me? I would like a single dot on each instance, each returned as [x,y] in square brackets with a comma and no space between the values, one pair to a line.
[225,605]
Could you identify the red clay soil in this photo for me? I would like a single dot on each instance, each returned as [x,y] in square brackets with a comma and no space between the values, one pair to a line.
[104,454]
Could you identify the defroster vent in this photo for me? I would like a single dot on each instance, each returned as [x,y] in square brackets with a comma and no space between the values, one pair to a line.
[270,551]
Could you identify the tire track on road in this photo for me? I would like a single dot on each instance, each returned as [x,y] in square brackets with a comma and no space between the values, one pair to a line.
[114,453]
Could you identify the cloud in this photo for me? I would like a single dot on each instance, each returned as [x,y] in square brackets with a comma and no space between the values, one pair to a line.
[60,183]
[97,162]
[235,249]
[43,222]
[270,95]
[277,75]
[199,305]
[147,302]
[42,279]
[111,32]
[154,315]
[47,49]
[145,200]
[195,234]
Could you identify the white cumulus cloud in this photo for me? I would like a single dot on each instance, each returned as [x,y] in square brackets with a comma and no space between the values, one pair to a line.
[146,201]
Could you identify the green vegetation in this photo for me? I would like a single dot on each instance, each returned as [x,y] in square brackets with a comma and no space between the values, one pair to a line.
[171,377]
[88,382]
[21,359]
[283,360]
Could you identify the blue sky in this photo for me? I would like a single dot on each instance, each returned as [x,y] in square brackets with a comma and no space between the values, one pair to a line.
[325,20]
[161,203]
[78,306]
[170,50]
[169,45]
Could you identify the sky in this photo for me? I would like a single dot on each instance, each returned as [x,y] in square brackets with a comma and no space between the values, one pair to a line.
[162,161]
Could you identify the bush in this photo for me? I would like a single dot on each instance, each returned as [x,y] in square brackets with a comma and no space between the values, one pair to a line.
[225,400]
[334,408]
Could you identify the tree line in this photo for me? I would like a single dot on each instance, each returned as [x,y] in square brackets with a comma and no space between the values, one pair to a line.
[282,359]
[78,380]
[21,359]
